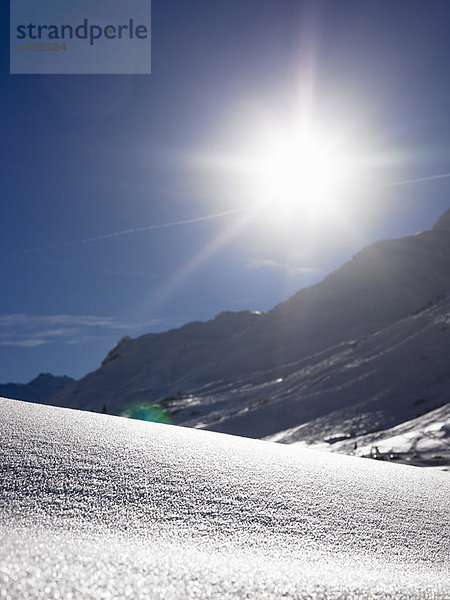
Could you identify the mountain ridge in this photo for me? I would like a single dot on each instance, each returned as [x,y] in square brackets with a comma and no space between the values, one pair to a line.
[39,389]
[383,283]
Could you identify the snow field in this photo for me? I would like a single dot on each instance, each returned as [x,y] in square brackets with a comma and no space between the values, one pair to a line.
[94,506]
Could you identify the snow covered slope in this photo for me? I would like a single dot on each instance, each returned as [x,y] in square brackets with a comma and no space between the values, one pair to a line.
[98,507]
[424,441]
[356,387]
[384,283]
[145,368]
[359,386]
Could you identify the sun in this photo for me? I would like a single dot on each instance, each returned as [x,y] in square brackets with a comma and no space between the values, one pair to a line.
[306,175]
[286,169]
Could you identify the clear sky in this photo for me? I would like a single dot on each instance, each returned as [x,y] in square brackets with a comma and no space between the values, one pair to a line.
[209,134]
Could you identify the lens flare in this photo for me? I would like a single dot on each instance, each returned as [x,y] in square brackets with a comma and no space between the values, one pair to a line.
[145,411]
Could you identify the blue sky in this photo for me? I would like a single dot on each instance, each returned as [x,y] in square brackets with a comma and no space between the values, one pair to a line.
[85,157]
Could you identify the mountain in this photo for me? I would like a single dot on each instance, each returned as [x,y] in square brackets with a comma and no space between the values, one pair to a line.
[95,506]
[360,385]
[423,441]
[154,365]
[364,349]
[40,389]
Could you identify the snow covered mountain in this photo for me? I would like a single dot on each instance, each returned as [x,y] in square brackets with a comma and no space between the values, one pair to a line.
[155,365]
[355,387]
[364,350]
[423,441]
[101,507]
[39,389]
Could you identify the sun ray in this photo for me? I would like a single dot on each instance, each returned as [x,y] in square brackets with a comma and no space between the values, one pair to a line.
[167,290]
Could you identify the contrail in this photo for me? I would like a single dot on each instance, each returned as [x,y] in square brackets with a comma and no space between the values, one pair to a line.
[107,236]
[161,226]
[417,180]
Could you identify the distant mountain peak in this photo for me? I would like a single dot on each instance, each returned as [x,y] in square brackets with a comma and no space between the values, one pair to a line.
[46,377]
[443,223]
[40,389]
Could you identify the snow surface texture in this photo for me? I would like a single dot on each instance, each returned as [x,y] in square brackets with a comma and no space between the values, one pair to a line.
[99,507]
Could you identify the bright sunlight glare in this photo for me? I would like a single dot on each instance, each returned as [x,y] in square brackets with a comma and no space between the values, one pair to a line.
[301,174]
[287,170]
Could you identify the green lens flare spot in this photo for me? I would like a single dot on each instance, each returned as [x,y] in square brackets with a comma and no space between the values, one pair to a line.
[145,411]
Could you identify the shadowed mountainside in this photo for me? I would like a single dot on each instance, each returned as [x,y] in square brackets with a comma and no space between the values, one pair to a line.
[40,389]
[382,285]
